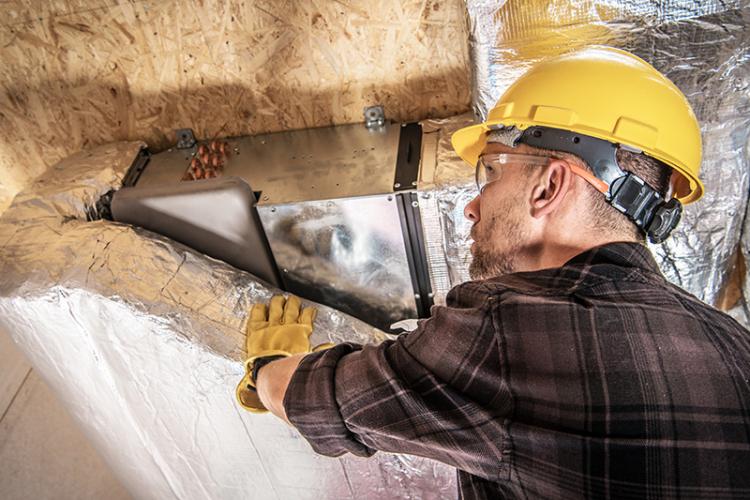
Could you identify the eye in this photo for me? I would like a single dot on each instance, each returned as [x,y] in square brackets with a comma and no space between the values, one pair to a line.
[490,173]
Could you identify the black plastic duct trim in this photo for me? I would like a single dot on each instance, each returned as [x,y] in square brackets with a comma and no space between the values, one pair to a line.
[407,160]
[411,225]
[102,209]
[136,169]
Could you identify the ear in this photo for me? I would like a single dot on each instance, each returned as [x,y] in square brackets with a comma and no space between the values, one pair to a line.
[550,188]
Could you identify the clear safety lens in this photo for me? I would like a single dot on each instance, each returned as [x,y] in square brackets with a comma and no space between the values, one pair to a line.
[490,166]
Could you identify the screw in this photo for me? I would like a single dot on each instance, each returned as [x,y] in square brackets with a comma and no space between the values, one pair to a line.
[286,270]
[430,295]
[413,183]
[390,198]
[416,296]
[397,185]
[414,204]
[273,210]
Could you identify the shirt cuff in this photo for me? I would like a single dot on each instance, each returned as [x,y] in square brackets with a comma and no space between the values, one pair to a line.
[311,406]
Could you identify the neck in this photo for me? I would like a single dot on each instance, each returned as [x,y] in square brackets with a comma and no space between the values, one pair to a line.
[556,252]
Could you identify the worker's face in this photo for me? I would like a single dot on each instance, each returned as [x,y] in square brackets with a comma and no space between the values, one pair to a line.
[500,216]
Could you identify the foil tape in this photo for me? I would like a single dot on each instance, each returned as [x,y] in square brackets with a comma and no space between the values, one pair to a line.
[703,47]
[142,339]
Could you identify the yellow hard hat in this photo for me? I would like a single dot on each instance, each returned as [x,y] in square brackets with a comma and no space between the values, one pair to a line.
[608,94]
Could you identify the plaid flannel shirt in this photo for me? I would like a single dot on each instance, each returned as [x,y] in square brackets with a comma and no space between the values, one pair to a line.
[598,379]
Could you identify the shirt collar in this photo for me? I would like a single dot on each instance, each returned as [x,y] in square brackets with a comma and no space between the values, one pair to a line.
[625,254]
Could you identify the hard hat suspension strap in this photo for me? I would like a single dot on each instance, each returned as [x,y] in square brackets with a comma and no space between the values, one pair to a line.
[627,192]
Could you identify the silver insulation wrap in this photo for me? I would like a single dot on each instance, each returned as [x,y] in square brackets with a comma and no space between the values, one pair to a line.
[703,47]
[445,186]
[142,339]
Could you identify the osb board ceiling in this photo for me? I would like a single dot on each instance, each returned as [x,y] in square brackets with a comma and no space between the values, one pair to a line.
[78,73]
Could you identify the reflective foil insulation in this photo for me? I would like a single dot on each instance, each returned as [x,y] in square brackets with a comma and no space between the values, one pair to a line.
[703,47]
[142,337]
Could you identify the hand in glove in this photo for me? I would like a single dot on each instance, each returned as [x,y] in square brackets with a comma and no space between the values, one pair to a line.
[279,332]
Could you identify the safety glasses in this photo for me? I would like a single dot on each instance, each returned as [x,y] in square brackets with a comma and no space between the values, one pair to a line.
[490,168]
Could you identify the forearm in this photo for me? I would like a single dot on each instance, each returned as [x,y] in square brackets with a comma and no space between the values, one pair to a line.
[273,380]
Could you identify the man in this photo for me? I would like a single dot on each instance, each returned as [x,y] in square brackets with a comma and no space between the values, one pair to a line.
[569,367]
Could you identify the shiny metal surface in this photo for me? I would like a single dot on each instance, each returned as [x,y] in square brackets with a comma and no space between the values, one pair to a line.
[327,209]
[300,165]
[703,47]
[348,252]
[142,339]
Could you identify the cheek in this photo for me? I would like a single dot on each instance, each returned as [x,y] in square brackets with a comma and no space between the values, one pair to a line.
[500,214]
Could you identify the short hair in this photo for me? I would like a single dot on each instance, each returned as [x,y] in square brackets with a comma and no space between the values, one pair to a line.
[606,217]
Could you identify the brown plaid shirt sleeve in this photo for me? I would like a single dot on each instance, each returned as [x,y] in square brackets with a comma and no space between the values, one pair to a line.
[597,379]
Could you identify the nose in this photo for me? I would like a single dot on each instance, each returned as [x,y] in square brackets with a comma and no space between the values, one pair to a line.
[471,210]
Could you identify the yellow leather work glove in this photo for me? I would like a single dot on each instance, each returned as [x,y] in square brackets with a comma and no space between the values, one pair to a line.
[280,331]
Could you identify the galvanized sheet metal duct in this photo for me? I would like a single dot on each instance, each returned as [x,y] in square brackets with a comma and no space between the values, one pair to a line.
[703,47]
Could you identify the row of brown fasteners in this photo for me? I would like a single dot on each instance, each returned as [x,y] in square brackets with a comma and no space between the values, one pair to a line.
[208,161]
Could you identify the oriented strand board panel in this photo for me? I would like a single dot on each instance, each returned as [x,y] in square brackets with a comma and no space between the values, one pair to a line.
[78,73]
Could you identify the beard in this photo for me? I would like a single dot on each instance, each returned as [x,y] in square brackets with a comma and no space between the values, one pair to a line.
[504,227]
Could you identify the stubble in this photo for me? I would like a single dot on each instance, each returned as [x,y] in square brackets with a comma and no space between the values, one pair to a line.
[498,243]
